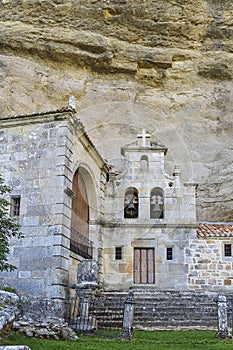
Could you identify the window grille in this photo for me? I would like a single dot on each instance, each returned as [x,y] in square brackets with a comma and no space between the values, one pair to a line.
[169,253]
[15,207]
[118,253]
[227,249]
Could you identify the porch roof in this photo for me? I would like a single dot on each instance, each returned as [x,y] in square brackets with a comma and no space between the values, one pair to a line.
[215,230]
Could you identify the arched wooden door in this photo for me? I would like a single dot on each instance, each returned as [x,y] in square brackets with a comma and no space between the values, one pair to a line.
[80,217]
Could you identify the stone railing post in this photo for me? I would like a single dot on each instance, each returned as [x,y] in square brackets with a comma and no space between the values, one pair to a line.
[222,318]
[127,327]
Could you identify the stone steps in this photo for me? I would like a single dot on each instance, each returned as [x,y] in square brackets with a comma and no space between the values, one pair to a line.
[175,309]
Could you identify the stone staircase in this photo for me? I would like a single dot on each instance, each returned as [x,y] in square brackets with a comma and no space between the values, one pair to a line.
[173,309]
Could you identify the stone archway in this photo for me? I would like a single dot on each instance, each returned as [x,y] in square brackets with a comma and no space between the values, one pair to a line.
[82,210]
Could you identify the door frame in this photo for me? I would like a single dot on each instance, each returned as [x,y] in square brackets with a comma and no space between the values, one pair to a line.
[144,265]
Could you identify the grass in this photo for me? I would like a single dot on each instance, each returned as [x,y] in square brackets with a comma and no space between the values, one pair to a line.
[160,340]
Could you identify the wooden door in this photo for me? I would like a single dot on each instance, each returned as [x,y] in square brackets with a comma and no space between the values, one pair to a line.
[79,238]
[80,207]
[144,265]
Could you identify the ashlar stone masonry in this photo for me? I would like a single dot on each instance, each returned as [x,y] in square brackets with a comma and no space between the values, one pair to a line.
[165,220]
[39,155]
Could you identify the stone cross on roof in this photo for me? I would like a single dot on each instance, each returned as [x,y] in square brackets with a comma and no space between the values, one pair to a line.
[72,103]
[144,137]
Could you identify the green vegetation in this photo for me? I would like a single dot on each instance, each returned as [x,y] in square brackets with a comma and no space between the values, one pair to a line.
[160,340]
[8,289]
[8,228]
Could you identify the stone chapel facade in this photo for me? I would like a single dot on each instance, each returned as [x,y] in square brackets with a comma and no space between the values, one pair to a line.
[139,225]
[151,220]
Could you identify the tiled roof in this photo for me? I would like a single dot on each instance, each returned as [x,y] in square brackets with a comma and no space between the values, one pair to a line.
[215,230]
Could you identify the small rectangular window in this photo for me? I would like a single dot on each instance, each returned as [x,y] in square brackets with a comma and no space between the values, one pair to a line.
[15,207]
[118,253]
[169,253]
[227,249]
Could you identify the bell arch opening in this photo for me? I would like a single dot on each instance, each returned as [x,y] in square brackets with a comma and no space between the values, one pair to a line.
[157,203]
[131,203]
[144,163]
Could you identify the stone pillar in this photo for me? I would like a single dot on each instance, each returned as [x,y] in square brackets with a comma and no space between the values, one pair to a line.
[223,332]
[127,327]
[87,285]
[85,322]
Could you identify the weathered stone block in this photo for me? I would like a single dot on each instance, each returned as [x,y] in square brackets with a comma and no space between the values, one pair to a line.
[125,268]
[31,221]
[200,281]
[227,282]
[25,274]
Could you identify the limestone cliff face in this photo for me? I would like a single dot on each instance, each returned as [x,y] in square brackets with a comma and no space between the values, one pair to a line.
[163,65]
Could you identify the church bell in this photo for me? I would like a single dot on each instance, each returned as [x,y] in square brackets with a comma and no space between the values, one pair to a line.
[131,209]
[156,208]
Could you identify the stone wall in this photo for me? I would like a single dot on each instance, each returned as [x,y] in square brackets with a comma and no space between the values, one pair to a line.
[33,318]
[38,157]
[32,164]
[164,65]
[209,269]
[168,275]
